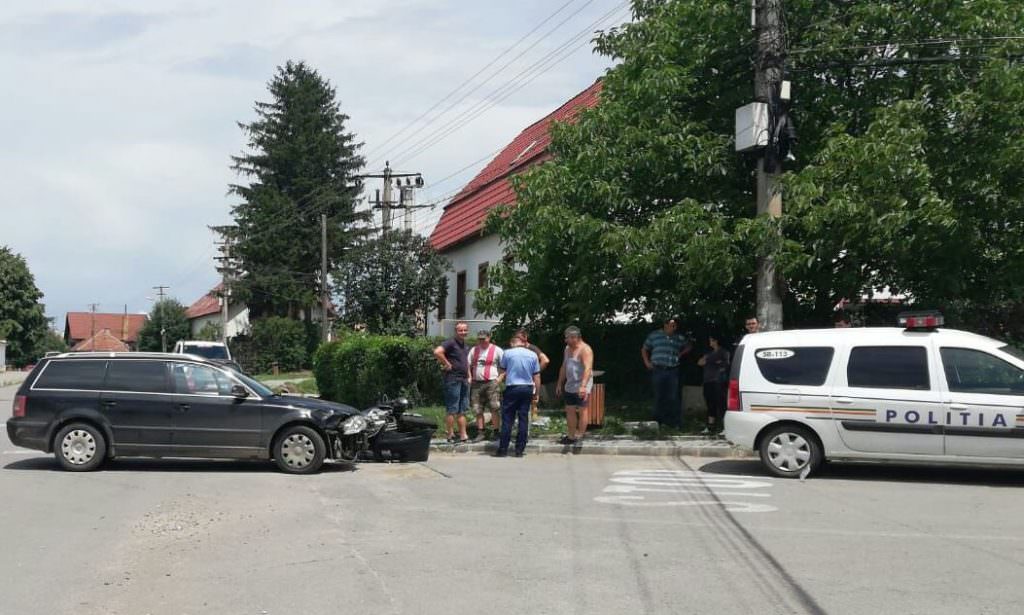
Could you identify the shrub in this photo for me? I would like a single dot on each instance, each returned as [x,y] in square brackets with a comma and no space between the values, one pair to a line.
[361,369]
[273,340]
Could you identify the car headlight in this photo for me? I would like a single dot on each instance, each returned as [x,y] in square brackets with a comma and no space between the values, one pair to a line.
[353,424]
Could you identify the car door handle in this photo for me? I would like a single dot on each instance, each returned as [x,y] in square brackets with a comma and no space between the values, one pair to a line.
[109,404]
[184,407]
[957,406]
[844,400]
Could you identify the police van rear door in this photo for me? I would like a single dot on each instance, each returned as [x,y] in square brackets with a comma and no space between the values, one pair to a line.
[984,400]
[887,397]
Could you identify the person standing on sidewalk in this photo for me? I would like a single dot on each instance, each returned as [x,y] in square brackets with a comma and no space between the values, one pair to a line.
[716,374]
[453,355]
[661,353]
[521,372]
[544,360]
[575,380]
[484,361]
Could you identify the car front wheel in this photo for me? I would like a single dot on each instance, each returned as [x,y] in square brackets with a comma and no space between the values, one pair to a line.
[299,450]
[80,447]
[788,451]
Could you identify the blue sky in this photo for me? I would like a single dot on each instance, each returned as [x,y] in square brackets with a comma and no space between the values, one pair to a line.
[119,117]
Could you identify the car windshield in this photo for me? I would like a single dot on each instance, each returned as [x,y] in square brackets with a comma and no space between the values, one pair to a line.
[260,388]
[207,352]
[1013,350]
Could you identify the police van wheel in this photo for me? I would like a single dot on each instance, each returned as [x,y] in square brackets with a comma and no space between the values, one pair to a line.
[788,451]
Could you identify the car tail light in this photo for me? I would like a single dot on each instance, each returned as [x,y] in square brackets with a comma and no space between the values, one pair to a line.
[734,395]
[20,401]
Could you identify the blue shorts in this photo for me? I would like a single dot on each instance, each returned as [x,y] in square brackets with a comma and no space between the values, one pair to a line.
[456,396]
[574,399]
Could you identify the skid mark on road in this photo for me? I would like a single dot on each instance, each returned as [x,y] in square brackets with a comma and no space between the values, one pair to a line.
[669,488]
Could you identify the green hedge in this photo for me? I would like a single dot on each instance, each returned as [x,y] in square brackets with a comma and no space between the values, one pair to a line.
[272,340]
[361,369]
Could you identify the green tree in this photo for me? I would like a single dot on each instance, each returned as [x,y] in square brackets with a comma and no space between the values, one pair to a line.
[22,320]
[301,162]
[210,332]
[390,282]
[910,118]
[167,315]
[52,341]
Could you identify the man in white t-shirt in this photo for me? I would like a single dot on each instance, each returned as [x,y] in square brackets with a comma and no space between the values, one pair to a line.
[484,359]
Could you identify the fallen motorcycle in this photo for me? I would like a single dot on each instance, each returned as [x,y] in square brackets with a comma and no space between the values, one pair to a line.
[395,434]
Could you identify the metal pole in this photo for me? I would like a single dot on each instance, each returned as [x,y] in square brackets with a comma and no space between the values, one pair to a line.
[767,82]
[386,203]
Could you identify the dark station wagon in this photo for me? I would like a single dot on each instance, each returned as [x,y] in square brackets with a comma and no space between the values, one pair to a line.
[89,407]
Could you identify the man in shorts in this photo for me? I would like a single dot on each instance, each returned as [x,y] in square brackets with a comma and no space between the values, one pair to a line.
[453,355]
[484,362]
[575,381]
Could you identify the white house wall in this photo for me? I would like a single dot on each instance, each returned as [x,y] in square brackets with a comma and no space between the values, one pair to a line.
[238,321]
[468,258]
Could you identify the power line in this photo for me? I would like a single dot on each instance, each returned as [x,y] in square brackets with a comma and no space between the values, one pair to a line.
[450,94]
[518,82]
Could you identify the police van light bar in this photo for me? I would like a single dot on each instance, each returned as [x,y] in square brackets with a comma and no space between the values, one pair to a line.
[921,320]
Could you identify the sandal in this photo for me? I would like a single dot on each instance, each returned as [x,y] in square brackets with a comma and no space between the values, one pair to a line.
[452,439]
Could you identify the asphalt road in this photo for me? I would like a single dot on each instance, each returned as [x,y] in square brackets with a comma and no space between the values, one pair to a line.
[473,534]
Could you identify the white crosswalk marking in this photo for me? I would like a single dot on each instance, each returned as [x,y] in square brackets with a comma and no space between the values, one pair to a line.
[686,488]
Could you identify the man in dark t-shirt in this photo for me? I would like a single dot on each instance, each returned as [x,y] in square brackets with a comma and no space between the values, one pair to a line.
[453,355]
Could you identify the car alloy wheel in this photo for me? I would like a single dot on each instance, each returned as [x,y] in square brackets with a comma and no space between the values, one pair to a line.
[299,449]
[78,447]
[789,452]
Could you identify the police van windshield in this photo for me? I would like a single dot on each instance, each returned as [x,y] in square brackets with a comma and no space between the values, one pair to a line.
[1013,350]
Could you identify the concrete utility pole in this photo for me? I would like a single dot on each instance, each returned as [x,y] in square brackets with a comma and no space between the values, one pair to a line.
[324,300]
[92,325]
[225,289]
[163,331]
[771,46]
[386,204]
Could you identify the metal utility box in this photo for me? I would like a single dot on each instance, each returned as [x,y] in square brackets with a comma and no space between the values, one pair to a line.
[751,127]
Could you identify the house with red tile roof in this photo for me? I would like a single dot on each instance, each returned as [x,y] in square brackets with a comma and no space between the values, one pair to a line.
[103,341]
[207,310]
[460,235]
[81,326]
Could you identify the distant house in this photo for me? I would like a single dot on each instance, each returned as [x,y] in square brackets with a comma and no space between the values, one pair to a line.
[81,326]
[460,235]
[207,310]
[103,341]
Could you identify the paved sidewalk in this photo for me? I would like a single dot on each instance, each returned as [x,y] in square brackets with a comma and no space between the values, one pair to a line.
[691,446]
[11,378]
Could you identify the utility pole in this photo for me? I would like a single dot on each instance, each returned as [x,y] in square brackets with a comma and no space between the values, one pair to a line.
[768,85]
[160,312]
[325,326]
[384,201]
[92,325]
[226,271]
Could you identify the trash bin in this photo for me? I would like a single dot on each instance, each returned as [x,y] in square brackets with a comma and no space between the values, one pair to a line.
[597,405]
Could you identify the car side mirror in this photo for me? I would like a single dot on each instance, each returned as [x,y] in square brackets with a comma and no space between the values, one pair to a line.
[239,392]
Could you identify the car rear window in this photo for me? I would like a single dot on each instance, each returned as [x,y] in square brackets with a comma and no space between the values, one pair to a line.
[137,376]
[207,352]
[889,367]
[86,375]
[800,365]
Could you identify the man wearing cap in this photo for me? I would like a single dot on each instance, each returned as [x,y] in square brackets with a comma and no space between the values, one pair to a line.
[521,372]
[575,381]
[484,361]
[661,353]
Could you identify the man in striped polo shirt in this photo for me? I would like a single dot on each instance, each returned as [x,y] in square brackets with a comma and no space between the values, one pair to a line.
[484,359]
[661,353]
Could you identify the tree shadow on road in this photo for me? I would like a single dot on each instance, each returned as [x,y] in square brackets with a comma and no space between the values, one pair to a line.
[176,465]
[902,473]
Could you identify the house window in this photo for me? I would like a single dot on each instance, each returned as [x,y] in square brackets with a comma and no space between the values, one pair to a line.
[481,276]
[460,295]
[442,300]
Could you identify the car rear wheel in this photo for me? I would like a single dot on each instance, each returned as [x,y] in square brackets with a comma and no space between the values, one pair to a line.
[80,447]
[299,450]
[790,450]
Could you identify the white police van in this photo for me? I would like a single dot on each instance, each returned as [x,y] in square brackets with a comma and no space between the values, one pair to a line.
[913,394]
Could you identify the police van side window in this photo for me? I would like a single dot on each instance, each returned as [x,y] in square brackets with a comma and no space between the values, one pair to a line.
[974,371]
[82,375]
[802,366]
[888,367]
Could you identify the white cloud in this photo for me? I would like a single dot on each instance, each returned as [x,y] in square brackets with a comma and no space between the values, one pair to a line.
[120,117]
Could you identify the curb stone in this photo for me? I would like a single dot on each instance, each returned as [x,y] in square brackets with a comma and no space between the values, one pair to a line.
[696,447]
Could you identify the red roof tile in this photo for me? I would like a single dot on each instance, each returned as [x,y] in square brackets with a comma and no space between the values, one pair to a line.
[205,305]
[81,325]
[464,215]
[104,341]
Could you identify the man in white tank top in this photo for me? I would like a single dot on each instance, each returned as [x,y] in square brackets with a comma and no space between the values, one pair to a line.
[575,381]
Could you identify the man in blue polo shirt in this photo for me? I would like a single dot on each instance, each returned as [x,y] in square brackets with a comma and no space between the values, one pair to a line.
[521,373]
[661,353]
